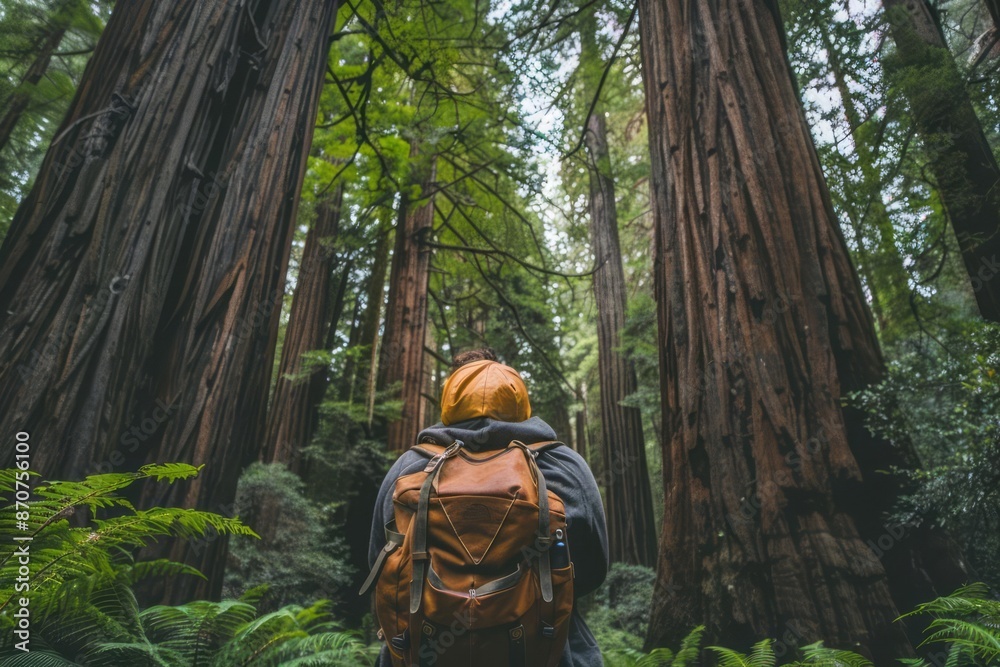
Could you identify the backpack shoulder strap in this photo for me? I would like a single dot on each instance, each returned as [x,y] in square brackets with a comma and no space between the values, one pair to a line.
[431,449]
[428,449]
[543,446]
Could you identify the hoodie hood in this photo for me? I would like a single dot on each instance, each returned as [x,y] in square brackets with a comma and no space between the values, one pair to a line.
[486,433]
[484,389]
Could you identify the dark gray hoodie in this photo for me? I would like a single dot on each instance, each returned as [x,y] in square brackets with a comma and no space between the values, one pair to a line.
[566,473]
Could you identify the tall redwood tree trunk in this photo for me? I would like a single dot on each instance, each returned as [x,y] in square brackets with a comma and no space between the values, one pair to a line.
[772,489]
[357,371]
[294,408]
[402,355]
[966,173]
[993,7]
[628,499]
[141,280]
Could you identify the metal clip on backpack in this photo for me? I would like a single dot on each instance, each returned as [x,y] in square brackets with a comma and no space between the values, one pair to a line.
[465,576]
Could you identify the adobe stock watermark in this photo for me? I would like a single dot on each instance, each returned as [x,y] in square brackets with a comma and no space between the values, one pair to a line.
[202,543]
[248,325]
[135,434]
[720,371]
[988,268]
[48,352]
[751,505]
[437,641]
[893,534]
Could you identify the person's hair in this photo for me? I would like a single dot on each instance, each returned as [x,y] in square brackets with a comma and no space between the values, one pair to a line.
[467,357]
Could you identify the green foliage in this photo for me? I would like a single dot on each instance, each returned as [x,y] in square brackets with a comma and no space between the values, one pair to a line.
[618,612]
[943,394]
[25,26]
[763,655]
[83,609]
[686,656]
[70,562]
[220,634]
[967,622]
[113,632]
[301,561]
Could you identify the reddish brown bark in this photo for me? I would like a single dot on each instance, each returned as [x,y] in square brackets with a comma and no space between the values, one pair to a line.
[628,499]
[581,433]
[773,495]
[293,413]
[357,371]
[146,266]
[401,359]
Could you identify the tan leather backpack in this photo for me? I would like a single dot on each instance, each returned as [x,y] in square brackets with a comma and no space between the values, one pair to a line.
[465,576]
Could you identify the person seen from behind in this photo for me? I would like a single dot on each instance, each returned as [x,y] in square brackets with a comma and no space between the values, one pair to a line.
[485,534]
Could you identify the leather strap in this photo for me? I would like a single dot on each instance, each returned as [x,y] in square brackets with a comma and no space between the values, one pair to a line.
[545,445]
[426,655]
[493,586]
[432,449]
[418,554]
[392,542]
[543,539]
[516,655]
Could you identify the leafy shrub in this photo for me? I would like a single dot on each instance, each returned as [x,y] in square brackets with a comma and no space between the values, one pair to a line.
[300,561]
[687,656]
[965,626]
[618,611]
[84,611]
[944,396]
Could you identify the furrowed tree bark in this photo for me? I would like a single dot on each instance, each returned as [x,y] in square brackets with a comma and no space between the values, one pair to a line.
[772,489]
[628,499]
[960,159]
[401,359]
[293,412]
[142,277]
[358,369]
[561,422]
[580,441]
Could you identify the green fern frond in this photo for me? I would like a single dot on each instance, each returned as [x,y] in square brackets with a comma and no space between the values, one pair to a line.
[623,657]
[817,654]
[139,652]
[730,658]
[160,567]
[254,594]
[690,648]
[762,654]
[82,559]
[37,659]
[171,472]
[329,648]
[659,657]
[8,478]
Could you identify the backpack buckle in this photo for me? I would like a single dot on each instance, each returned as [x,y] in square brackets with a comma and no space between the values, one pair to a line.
[449,451]
[401,642]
